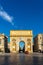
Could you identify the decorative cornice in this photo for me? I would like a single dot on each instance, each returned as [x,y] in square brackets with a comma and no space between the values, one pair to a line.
[20,36]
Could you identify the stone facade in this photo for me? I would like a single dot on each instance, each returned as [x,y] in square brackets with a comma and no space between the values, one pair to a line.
[16,36]
[38,42]
[3,43]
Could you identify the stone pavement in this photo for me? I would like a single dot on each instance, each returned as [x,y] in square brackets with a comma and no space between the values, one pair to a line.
[21,59]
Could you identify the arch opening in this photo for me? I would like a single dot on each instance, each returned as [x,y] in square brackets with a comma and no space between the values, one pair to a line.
[22,46]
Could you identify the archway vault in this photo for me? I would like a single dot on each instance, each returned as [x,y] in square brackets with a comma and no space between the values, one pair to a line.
[22,46]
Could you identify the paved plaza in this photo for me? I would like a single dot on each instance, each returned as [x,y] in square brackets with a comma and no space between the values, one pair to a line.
[21,59]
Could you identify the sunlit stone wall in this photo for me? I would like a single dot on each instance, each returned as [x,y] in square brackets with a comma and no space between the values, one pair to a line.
[3,42]
[38,43]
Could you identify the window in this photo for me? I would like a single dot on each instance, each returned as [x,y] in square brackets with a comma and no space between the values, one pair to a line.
[40,37]
[42,44]
[0,41]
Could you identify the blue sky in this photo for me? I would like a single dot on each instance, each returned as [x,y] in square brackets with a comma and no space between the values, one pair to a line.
[21,15]
[22,44]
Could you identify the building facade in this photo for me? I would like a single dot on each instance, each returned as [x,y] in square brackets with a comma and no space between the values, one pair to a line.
[18,36]
[3,43]
[38,43]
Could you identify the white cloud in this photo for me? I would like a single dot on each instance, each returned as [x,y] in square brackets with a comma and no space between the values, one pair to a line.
[6,16]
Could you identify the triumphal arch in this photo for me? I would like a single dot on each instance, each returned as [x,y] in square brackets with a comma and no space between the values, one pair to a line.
[21,36]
